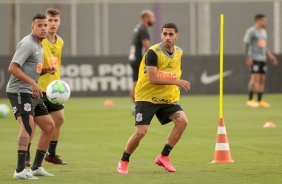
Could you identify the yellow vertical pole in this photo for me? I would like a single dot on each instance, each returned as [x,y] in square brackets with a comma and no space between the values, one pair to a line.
[221,64]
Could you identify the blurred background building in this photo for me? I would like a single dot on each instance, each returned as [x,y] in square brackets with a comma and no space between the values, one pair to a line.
[104,27]
[97,35]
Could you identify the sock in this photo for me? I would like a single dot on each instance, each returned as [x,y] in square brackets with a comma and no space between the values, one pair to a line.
[251,93]
[166,150]
[38,159]
[52,148]
[21,160]
[125,156]
[259,96]
[28,150]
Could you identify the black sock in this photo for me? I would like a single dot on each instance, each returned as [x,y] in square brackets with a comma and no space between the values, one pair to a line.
[259,96]
[38,159]
[166,150]
[21,160]
[52,148]
[28,150]
[251,93]
[125,156]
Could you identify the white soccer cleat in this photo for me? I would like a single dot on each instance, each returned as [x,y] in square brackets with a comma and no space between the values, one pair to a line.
[252,103]
[40,172]
[24,175]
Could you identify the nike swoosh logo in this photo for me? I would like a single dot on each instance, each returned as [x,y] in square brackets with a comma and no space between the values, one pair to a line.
[205,79]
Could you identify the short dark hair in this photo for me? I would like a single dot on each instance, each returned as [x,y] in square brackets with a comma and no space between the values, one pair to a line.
[52,11]
[259,16]
[38,16]
[145,13]
[170,25]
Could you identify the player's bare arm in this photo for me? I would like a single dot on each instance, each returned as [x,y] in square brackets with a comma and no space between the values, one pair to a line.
[15,70]
[154,79]
[271,57]
[146,44]
[249,60]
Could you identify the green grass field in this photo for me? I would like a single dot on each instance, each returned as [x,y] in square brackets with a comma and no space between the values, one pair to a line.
[94,136]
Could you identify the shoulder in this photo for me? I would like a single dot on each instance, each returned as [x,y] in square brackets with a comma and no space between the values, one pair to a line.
[27,42]
[156,48]
[251,30]
[178,49]
[60,40]
[142,29]
[45,41]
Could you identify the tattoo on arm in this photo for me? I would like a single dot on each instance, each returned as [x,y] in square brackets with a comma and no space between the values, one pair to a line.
[23,141]
[175,116]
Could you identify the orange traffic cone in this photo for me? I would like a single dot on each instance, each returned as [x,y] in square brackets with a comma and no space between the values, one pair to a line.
[108,102]
[269,124]
[222,151]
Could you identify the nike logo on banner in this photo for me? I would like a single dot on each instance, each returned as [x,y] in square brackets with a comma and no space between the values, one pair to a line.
[205,79]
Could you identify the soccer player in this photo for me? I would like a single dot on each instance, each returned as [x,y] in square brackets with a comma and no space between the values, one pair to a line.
[256,52]
[25,97]
[157,93]
[140,44]
[53,46]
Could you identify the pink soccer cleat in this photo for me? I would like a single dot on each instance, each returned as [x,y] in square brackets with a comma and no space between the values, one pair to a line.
[122,167]
[164,161]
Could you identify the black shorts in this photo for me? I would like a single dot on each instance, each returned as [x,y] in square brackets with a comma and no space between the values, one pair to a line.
[135,69]
[145,111]
[259,67]
[24,103]
[51,107]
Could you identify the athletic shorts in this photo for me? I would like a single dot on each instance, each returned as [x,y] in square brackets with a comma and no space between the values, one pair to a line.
[135,69]
[145,111]
[259,67]
[24,103]
[51,107]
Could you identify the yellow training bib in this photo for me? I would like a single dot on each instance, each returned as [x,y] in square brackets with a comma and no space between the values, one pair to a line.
[168,67]
[52,57]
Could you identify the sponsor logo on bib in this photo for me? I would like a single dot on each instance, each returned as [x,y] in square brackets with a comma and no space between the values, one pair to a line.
[261,43]
[167,75]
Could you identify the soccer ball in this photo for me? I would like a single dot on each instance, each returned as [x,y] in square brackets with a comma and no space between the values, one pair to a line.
[58,92]
[4,110]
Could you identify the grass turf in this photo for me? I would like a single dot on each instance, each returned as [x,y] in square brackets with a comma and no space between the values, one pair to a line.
[93,138]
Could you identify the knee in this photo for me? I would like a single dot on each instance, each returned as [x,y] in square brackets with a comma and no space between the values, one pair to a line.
[262,81]
[139,134]
[183,124]
[49,128]
[59,121]
[255,81]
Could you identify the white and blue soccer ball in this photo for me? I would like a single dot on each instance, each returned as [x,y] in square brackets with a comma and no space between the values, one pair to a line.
[4,110]
[58,92]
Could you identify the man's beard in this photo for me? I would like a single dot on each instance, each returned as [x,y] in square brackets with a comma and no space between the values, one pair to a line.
[150,23]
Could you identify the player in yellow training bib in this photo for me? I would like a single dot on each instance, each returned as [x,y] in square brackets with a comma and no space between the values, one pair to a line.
[168,67]
[157,93]
[53,46]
